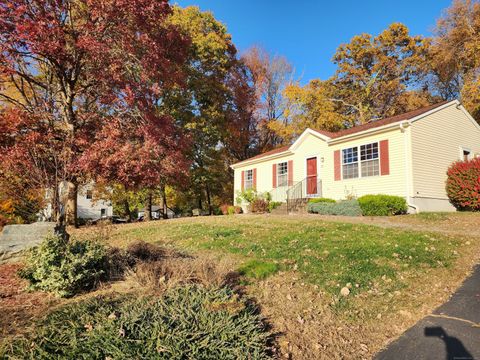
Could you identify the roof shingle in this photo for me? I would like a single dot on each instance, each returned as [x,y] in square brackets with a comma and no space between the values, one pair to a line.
[374,124]
[371,125]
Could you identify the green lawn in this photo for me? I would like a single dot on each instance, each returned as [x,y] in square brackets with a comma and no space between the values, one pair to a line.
[327,254]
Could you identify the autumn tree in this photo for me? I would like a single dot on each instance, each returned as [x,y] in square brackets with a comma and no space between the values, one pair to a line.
[200,108]
[309,106]
[454,58]
[89,75]
[379,76]
[269,75]
[243,133]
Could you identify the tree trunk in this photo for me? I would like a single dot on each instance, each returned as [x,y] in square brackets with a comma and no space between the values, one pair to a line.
[209,200]
[164,203]
[148,208]
[128,213]
[71,204]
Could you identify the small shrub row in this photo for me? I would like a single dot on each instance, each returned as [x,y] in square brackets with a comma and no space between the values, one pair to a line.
[368,205]
[382,205]
[463,184]
[187,322]
[345,208]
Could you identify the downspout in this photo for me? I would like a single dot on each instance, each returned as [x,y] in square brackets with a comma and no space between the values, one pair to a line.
[404,125]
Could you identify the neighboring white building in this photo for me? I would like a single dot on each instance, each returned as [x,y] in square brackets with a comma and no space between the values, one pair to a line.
[406,155]
[87,207]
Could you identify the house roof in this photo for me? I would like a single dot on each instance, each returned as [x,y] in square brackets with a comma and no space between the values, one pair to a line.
[357,129]
[377,123]
[268,153]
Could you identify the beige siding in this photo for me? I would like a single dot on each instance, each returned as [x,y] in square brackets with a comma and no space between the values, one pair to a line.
[312,146]
[436,141]
[393,184]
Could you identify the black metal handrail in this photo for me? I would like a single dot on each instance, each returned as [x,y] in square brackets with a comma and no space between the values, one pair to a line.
[297,194]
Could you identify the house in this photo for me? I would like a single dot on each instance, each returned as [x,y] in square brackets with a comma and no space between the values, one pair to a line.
[88,208]
[406,155]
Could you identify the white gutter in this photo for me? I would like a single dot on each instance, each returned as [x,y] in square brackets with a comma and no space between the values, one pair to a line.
[404,128]
[260,159]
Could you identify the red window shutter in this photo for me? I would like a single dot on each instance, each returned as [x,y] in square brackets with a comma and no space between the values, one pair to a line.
[243,180]
[336,163]
[384,158]
[290,172]
[255,178]
[274,175]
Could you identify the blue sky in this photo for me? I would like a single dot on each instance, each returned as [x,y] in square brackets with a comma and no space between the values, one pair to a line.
[307,32]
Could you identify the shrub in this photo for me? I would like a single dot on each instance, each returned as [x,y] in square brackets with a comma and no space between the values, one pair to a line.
[259,206]
[321,200]
[345,207]
[248,195]
[65,267]
[231,210]
[238,209]
[224,208]
[382,205]
[463,184]
[273,205]
[188,322]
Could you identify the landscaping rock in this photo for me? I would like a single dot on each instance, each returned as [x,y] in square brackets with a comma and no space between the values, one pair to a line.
[345,291]
[16,238]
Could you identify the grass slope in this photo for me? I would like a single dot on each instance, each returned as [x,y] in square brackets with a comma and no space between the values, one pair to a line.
[328,254]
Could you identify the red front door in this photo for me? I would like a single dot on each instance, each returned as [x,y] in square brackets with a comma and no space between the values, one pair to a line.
[312,176]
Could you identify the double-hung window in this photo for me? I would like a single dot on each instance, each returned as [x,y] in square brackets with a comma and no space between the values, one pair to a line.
[248,179]
[282,174]
[370,164]
[367,164]
[350,163]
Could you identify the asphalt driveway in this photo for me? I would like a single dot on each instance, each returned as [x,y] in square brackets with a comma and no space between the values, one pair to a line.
[451,332]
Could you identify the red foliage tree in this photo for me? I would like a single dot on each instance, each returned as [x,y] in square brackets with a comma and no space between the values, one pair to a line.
[87,76]
[463,184]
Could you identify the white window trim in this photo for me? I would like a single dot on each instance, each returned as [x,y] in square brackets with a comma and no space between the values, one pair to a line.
[462,149]
[286,174]
[246,181]
[359,162]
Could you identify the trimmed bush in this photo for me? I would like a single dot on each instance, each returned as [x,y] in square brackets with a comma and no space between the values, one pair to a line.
[382,205]
[345,208]
[188,322]
[65,267]
[321,200]
[463,185]
[259,205]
